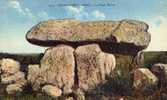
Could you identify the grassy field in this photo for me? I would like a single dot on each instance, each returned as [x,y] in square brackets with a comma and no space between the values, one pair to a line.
[118,86]
[151,58]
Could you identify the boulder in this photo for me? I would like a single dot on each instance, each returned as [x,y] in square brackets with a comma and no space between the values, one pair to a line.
[9,66]
[92,66]
[57,67]
[12,78]
[52,91]
[143,78]
[14,89]
[131,33]
[160,70]
[33,75]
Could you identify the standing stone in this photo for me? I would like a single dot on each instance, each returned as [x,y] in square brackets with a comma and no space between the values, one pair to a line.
[57,67]
[160,70]
[144,78]
[52,91]
[92,65]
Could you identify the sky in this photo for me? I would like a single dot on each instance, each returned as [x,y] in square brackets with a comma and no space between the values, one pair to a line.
[18,16]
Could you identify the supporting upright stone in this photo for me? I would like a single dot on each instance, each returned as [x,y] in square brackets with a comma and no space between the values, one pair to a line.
[57,67]
[92,66]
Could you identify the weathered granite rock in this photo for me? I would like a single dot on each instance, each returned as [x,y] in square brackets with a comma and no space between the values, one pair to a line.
[160,70]
[130,31]
[57,67]
[52,91]
[144,78]
[9,66]
[67,31]
[92,65]
[33,75]
[14,89]
[12,78]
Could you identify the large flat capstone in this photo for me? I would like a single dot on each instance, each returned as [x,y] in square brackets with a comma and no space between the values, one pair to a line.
[75,32]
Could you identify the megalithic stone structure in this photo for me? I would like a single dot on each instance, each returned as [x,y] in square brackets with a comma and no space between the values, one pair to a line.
[83,53]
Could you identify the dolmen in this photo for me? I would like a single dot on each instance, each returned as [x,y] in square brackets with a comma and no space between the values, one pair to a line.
[81,54]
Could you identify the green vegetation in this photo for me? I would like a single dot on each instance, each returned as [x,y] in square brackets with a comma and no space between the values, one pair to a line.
[151,58]
[33,58]
[29,97]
